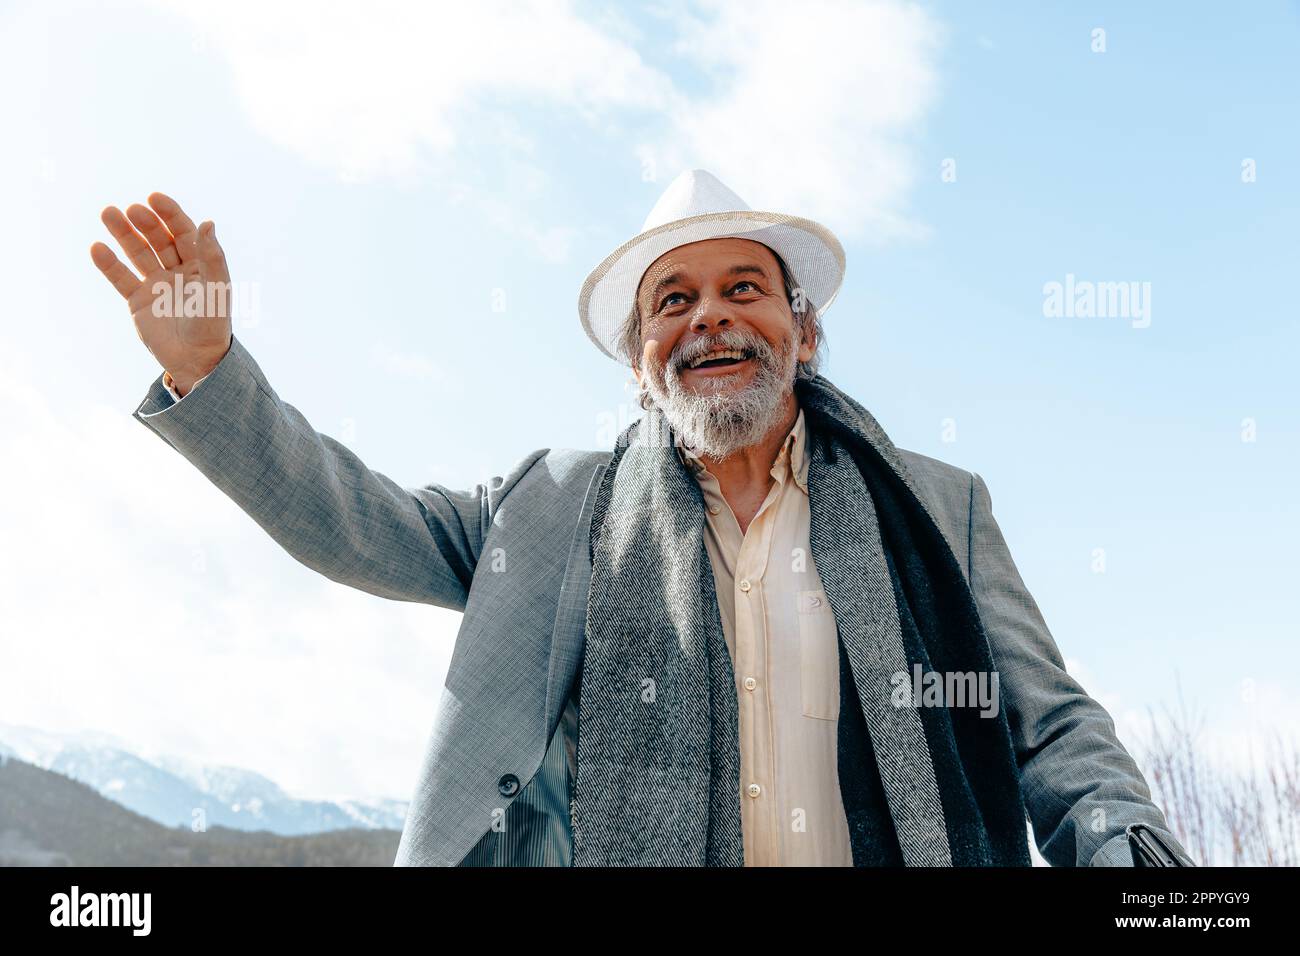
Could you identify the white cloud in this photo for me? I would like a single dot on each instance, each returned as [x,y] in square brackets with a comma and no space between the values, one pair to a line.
[364,86]
[811,107]
[806,107]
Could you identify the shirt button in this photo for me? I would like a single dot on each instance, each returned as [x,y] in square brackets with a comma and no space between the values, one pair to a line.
[753,790]
[714,509]
[744,584]
[750,683]
[508,785]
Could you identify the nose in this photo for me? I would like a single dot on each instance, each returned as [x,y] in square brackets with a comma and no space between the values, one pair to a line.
[709,316]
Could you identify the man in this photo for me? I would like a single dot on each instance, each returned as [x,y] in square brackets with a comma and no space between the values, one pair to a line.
[756,633]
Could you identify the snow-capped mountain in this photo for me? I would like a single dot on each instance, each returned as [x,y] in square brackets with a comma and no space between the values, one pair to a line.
[173,790]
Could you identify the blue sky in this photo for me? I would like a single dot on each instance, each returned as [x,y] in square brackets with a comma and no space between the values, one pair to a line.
[418,197]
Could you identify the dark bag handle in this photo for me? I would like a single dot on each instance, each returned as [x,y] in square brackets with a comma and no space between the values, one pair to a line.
[1149,849]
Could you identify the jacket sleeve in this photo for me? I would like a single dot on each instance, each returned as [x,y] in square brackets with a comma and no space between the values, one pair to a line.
[1081,787]
[317,499]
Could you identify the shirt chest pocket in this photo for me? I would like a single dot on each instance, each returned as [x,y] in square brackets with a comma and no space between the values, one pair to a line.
[819,656]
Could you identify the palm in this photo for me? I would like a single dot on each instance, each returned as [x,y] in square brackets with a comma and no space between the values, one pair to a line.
[187,333]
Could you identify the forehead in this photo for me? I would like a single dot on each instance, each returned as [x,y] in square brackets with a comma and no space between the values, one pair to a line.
[709,255]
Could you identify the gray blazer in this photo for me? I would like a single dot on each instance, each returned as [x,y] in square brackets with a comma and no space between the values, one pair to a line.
[512,554]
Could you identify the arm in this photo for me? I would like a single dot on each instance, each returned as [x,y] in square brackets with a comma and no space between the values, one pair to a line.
[308,492]
[1080,786]
[316,498]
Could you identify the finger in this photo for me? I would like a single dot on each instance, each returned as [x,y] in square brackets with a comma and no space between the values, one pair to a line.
[211,254]
[147,222]
[132,243]
[124,280]
[184,234]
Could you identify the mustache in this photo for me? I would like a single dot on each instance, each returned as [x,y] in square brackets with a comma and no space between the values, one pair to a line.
[750,342]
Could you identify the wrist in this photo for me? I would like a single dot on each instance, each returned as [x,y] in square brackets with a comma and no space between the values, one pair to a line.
[184,379]
[171,385]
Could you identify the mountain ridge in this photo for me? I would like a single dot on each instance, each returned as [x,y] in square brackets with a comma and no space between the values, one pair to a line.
[50,819]
[177,791]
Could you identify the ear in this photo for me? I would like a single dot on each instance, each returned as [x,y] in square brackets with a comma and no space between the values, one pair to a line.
[646,357]
[808,339]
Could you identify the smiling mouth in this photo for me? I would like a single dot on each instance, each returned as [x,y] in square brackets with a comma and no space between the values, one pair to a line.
[728,359]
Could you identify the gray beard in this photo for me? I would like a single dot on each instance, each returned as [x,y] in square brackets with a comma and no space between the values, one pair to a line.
[718,424]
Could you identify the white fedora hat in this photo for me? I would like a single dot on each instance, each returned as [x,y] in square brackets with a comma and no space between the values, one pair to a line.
[694,207]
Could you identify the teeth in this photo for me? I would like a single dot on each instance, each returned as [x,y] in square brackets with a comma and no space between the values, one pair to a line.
[725,353]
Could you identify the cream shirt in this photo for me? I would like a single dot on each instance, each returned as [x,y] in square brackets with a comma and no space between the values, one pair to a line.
[784,648]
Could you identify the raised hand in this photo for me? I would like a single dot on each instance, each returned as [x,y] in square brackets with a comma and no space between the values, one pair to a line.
[164,245]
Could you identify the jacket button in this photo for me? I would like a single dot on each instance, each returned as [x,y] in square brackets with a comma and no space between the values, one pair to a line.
[508,785]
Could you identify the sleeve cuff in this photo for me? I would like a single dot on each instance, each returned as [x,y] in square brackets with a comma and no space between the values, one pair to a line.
[162,395]
[1114,852]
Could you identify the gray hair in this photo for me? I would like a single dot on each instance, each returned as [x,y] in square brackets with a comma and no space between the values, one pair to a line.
[629,339]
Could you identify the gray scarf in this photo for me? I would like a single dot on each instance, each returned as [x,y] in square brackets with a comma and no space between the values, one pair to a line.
[658,760]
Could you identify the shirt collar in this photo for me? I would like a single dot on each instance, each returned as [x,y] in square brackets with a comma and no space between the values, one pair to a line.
[793,450]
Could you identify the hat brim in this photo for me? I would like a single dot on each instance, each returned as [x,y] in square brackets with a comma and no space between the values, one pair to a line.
[810,250]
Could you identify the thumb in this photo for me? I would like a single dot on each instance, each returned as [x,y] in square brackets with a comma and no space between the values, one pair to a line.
[211,254]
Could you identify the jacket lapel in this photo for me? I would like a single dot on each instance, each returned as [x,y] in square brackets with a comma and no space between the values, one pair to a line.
[571,612]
